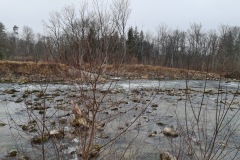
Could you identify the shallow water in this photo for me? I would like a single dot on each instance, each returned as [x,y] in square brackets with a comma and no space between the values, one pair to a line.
[171,111]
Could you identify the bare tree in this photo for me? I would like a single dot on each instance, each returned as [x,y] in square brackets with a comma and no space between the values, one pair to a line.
[28,41]
[121,13]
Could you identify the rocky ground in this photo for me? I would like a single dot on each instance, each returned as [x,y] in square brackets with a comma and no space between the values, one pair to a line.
[152,107]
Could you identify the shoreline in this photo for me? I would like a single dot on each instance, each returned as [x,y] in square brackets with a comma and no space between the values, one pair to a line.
[42,72]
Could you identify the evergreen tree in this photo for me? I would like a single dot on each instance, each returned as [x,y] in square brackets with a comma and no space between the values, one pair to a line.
[3,41]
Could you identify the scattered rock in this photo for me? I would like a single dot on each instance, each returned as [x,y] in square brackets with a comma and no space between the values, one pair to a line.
[135,91]
[30,126]
[19,100]
[41,111]
[208,91]
[56,133]
[59,100]
[12,153]
[24,127]
[144,117]
[120,127]
[105,91]
[63,120]
[94,151]
[33,130]
[153,134]
[10,91]
[154,105]
[148,111]
[38,139]
[52,122]
[104,136]
[40,94]
[56,94]
[170,132]
[24,158]
[32,122]
[80,122]
[195,140]
[61,107]
[159,123]
[167,156]
[2,124]
[143,101]
[36,99]
[136,100]
[39,107]
[123,102]
[223,144]
[237,92]
[29,103]
[114,109]
[25,94]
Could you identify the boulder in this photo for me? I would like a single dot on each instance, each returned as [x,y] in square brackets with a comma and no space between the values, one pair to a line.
[167,156]
[38,139]
[63,120]
[80,122]
[19,100]
[114,109]
[24,158]
[12,153]
[153,134]
[10,91]
[136,100]
[2,124]
[223,144]
[154,105]
[40,94]
[159,123]
[56,133]
[30,126]
[170,132]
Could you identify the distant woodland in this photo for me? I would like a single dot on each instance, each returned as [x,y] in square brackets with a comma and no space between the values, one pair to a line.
[78,36]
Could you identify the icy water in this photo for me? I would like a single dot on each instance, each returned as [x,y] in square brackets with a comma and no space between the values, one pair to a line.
[139,108]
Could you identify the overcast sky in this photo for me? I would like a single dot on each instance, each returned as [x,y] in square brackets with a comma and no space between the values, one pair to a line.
[146,14]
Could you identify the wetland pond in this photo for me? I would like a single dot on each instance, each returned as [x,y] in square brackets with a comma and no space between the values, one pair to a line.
[137,110]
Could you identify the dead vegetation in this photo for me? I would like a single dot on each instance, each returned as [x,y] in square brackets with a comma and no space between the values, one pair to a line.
[25,72]
[26,68]
[158,72]
[22,72]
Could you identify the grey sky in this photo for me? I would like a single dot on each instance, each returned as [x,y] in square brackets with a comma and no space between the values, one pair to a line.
[146,14]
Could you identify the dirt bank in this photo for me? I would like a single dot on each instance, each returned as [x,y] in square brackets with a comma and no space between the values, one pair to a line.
[24,72]
[158,72]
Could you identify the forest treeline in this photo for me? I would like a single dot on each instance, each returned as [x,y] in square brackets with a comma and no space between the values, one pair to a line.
[75,37]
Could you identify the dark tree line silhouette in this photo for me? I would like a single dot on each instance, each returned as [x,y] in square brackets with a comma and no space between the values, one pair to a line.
[76,39]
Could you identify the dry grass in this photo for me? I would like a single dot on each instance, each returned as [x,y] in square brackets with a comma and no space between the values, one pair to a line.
[147,71]
[27,68]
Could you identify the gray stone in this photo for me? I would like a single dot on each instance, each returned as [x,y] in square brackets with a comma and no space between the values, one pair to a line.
[167,156]
[12,153]
[170,132]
